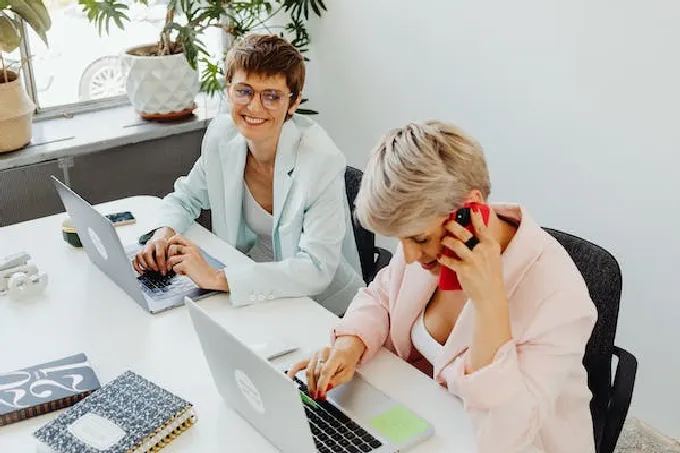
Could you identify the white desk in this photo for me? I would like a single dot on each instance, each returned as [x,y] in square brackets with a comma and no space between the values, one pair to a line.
[82,310]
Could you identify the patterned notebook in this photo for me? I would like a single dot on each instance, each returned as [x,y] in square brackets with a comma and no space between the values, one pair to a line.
[45,388]
[129,414]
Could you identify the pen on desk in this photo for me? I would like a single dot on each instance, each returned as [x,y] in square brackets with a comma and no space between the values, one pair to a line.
[281,353]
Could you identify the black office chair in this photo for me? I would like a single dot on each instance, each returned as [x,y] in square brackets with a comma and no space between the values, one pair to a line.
[610,402]
[372,257]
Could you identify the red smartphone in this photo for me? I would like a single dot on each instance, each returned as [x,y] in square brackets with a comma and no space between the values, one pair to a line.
[448,280]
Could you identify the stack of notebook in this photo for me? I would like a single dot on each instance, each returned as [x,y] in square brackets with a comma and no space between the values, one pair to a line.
[129,414]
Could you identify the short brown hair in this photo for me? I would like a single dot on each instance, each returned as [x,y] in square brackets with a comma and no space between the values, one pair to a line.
[267,54]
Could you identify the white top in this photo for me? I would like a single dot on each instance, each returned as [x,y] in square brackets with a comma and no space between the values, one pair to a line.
[423,341]
[260,222]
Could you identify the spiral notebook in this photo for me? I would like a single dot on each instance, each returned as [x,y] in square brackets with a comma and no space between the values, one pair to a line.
[128,415]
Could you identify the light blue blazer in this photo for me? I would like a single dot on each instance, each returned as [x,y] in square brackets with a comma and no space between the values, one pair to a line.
[312,233]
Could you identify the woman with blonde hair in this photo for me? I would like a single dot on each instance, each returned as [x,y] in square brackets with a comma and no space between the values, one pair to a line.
[510,342]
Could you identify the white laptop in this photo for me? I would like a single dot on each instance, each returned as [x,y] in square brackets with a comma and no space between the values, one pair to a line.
[355,418]
[151,290]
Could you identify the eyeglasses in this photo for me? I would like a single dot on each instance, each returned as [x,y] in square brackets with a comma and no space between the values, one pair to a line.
[272,99]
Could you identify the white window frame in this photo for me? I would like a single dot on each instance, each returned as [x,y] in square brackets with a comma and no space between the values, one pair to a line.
[41,113]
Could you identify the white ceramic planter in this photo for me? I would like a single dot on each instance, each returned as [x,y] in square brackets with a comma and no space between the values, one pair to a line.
[16,116]
[159,85]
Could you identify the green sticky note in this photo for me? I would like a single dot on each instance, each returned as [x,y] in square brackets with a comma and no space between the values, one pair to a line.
[398,424]
[307,400]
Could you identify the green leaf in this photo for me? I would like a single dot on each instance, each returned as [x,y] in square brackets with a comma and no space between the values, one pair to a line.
[10,37]
[210,78]
[34,13]
[102,12]
[191,44]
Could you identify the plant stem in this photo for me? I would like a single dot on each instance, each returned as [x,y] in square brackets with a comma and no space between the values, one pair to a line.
[4,68]
[164,45]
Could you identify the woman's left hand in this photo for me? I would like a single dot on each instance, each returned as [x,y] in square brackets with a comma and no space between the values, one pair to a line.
[185,258]
[479,270]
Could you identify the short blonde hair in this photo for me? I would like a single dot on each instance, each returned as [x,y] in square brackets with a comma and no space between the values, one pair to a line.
[417,173]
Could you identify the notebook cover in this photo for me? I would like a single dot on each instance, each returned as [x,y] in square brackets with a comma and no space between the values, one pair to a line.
[45,388]
[122,416]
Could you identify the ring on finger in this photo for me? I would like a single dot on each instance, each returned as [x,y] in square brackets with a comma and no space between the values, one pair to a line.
[472,242]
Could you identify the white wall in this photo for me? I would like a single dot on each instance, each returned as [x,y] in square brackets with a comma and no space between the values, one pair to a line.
[576,103]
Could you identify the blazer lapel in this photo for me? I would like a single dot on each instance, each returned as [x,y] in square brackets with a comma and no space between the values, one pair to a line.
[411,300]
[284,166]
[459,339]
[233,159]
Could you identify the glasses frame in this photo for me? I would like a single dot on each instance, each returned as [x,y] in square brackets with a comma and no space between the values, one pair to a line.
[260,93]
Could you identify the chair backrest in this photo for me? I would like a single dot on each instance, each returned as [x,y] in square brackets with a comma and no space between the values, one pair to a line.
[602,275]
[364,238]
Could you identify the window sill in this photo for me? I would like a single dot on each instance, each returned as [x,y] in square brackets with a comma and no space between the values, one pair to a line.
[89,132]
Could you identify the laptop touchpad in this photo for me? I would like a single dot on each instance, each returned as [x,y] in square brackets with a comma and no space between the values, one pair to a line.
[360,399]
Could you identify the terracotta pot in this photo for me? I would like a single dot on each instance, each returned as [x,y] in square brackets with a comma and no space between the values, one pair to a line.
[16,115]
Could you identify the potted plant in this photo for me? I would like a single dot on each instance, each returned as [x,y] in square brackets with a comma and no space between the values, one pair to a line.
[16,108]
[162,79]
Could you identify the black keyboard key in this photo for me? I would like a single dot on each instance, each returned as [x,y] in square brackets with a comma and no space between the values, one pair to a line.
[323,449]
[337,413]
[349,435]
[375,443]
[353,427]
[342,429]
[366,437]
[357,441]
[365,448]
[323,437]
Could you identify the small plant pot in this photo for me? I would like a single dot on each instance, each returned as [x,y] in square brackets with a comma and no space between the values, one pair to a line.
[159,87]
[16,114]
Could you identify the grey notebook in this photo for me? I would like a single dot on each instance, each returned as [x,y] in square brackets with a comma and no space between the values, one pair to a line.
[45,388]
[129,414]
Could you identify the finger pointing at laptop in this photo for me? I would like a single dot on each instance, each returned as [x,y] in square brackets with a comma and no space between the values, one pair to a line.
[331,367]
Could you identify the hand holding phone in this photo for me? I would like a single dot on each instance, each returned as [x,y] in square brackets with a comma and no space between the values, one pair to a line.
[448,280]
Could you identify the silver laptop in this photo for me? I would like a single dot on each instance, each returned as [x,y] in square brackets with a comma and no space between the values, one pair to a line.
[355,418]
[151,290]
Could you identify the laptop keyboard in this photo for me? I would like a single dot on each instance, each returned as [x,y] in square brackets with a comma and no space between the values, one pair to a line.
[154,280]
[160,286]
[334,431]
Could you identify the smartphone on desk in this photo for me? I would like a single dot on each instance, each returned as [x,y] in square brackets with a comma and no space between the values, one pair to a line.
[448,280]
[121,218]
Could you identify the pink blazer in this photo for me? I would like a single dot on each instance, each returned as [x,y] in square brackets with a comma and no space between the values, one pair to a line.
[535,392]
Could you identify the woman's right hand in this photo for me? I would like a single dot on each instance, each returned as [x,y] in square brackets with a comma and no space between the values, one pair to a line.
[154,254]
[329,368]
